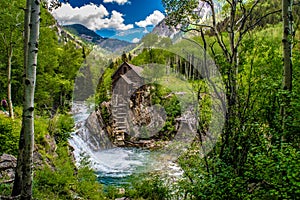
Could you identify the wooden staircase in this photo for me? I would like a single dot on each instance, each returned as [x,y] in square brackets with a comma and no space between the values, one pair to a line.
[119,115]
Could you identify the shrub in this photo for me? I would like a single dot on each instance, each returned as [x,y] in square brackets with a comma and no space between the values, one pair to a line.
[60,126]
[40,131]
[148,186]
[9,135]
[64,181]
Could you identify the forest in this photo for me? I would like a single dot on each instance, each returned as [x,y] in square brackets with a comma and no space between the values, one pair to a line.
[254,46]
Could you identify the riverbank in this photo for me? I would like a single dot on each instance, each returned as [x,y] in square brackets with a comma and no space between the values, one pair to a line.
[114,165]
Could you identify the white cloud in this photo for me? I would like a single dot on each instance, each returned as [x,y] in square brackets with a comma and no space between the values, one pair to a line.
[116,21]
[120,2]
[151,20]
[135,40]
[92,16]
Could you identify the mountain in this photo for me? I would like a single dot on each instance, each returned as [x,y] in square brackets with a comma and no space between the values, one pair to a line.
[83,32]
[113,45]
[204,12]
[163,30]
[116,45]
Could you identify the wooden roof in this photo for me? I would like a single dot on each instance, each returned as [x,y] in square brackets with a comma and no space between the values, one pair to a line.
[136,69]
[126,79]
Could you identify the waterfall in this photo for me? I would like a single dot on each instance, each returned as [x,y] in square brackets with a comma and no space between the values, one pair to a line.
[111,164]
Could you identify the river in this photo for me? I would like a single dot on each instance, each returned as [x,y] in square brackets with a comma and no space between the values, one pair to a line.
[115,165]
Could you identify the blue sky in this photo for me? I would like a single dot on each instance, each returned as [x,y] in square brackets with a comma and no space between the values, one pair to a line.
[122,19]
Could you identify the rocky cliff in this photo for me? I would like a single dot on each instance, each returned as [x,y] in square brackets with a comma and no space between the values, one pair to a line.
[163,30]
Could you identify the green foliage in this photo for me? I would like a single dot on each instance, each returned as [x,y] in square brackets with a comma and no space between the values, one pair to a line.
[112,192]
[5,189]
[147,56]
[148,186]
[165,42]
[88,186]
[104,87]
[11,26]
[152,72]
[64,181]
[58,178]
[18,111]
[260,160]
[149,40]
[275,172]
[57,67]
[40,131]
[270,173]
[162,96]
[105,114]
[60,126]
[9,135]
[181,12]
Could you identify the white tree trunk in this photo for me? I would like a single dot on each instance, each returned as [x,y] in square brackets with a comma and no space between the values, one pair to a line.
[23,182]
[17,187]
[10,54]
[28,112]
[287,40]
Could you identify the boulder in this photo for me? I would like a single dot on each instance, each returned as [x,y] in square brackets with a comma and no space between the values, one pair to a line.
[7,167]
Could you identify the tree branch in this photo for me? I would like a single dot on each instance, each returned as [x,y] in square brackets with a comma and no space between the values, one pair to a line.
[218,35]
[203,26]
[260,19]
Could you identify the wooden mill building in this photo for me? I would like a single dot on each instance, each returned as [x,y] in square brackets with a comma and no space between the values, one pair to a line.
[126,78]
[125,81]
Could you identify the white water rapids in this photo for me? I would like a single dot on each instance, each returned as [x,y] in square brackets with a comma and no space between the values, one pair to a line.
[113,165]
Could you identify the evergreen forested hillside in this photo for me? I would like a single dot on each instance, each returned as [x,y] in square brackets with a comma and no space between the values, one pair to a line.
[113,45]
[257,154]
[79,30]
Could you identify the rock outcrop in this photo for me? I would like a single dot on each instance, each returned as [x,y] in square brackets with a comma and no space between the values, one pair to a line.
[163,30]
[7,168]
[93,133]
